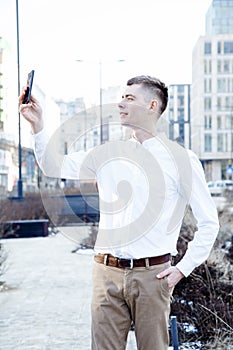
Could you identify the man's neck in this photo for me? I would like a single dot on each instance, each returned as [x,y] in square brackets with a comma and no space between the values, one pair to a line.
[143,135]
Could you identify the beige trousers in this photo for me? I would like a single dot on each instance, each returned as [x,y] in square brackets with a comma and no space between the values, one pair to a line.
[124,295]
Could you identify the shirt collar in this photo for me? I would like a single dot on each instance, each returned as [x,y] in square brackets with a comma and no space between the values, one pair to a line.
[148,142]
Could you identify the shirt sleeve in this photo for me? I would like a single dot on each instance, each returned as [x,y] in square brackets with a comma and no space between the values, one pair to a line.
[54,164]
[205,212]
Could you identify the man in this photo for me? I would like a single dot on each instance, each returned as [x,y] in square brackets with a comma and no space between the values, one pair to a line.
[144,186]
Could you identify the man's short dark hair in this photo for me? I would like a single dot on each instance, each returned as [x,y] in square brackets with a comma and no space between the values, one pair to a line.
[155,86]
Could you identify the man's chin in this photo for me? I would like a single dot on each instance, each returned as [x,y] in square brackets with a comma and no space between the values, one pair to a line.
[128,124]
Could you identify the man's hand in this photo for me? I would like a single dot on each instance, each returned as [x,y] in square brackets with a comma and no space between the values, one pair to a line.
[173,276]
[32,112]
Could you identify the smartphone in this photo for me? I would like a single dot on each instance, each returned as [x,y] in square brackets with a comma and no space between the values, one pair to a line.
[27,95]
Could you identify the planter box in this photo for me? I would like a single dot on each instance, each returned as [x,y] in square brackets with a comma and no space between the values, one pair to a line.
[25,228]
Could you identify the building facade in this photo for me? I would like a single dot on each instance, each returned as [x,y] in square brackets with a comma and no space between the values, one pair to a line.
[8,158]
[212,93]
[219,17]
[9,129]
[81,126]
[179,114]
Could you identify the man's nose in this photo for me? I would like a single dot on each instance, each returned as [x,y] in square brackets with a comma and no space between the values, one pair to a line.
[121,104]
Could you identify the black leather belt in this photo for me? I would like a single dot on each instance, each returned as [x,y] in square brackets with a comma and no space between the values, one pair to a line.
[110,260]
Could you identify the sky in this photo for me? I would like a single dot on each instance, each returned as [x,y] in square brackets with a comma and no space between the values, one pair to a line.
[154,37]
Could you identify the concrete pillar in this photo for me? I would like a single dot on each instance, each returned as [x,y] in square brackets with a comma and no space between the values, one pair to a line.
[216,170]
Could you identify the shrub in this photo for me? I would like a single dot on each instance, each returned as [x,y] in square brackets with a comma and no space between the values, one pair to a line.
[29,208]
[204,300]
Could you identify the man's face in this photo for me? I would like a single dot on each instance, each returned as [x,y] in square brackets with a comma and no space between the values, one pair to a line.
[134,107]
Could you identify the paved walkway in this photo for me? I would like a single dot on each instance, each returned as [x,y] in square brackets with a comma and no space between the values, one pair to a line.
[47,303]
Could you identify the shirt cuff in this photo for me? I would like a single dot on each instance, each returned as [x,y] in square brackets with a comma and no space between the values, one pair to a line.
[185,266]
[40,138]
[38,134]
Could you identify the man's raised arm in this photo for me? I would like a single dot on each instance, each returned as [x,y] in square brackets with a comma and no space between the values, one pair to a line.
[51,161]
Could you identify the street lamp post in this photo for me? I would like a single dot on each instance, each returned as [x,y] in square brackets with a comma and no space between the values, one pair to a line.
[20,182]
[101,97]
[101,102]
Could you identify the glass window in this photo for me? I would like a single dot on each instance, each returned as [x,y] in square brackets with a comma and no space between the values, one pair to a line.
[220,143]
[210,122]
[180,113]
[180,101]
[228,87]
[205,67]
[207,48]
[207,85]
[171,113]
[221,85]
[181,131]
[219,122]
[180,88]
[210,66]
[226,66]
[219,103]
[208,143]
[219,66]
[171,103]
[210,85]
[219,47]
[207,103]
[228,47]
[229,122]
[207,122]
[228,103]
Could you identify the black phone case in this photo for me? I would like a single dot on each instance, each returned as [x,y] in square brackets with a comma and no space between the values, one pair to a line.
[27,95]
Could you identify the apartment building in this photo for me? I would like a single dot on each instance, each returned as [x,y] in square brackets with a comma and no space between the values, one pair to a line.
[8,166]
[179,114]
[1,86]
[212,92]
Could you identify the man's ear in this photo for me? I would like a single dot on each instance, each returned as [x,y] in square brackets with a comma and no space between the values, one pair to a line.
[154,105]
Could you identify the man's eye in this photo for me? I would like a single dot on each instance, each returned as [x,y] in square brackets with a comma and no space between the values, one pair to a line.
[129,98]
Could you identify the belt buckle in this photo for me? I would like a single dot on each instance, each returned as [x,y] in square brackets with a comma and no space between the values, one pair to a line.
[106,259]
[131,264]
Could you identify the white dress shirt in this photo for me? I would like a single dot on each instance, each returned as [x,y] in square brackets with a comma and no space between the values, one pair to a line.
[142,204]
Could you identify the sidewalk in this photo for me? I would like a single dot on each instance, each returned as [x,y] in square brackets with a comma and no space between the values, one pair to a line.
[47,305]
